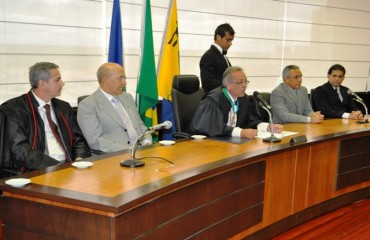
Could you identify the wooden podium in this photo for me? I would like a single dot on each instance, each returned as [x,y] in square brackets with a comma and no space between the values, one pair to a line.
[215,189]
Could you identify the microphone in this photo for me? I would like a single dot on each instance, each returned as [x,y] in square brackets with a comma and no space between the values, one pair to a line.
[272,138]
[354,95]
[164,125]
[267,108]
[133,162]
[359,100]
[258,96]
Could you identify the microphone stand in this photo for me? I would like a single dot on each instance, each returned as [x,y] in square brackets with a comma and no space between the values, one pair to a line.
[133,162]
[365,117]
[272,138]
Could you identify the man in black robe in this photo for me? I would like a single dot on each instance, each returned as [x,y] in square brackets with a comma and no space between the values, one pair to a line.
[226,111]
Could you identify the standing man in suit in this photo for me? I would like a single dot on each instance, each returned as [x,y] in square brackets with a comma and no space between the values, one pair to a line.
[109,118]
[43,130]
[226,111]
[332,98]
[289,100]
[214,61]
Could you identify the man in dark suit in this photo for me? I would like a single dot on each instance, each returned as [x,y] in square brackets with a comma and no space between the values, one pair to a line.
[332,98]
[214,61]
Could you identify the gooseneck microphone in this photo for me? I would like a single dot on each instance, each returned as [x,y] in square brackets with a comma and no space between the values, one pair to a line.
[164,125]
[359,100]
[263,103]
[258,96]
[133,162]
[350,92]
[272,138]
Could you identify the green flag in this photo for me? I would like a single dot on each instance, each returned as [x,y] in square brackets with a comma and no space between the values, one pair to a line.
[147,85]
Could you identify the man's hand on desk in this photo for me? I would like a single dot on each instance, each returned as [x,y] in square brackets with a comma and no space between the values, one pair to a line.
[316,117]
[356,115]
[146,142]
[248,133]
[276,128]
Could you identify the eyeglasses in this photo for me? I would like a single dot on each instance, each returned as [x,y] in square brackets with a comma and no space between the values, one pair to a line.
[242,82]
[296,77]
[120,78]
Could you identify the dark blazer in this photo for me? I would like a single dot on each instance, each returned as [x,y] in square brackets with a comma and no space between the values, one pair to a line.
[212,67]
[327,101]
[4,145]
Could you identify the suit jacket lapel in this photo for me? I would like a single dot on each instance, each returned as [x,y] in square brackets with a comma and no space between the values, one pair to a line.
[221,56]
[130,111]
[332,91]
[300,99]
[124,104]
[135,122]
[289,92]
[108,108]
[216,50]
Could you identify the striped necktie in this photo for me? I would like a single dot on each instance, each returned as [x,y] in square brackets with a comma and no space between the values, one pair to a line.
[54,129]
[339,94]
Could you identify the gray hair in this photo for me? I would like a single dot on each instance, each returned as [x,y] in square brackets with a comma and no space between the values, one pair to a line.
[227,74]
[40,71]
[287,69]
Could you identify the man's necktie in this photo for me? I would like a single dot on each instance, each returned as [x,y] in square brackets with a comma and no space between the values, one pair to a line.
[227,60]
[235,111]
[54,129]
[125,119]
[339,94]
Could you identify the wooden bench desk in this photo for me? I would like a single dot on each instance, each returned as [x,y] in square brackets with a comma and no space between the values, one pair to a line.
[215,189]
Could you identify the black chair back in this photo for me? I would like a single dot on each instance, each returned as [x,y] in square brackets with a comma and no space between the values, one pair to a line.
[6,166]
[261,113]
[80,98]
[186,95]
[312,99]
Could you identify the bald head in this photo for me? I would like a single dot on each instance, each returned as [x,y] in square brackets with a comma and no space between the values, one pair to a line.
[106,69]
[112,78]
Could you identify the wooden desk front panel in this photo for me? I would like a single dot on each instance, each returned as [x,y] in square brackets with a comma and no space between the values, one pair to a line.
[216,207]
[299,179]
[34,221]
[353,162]
[232,201]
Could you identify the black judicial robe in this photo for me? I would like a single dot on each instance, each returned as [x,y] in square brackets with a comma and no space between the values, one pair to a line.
[211,117]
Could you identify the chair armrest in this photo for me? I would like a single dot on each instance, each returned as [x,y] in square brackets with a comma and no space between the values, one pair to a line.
[9,172]
[97,152]
[181,135]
